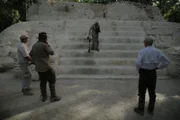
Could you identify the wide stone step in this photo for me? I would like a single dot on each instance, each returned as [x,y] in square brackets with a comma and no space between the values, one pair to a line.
[119,39]
[100,70]
[104,46]
[109,33]
[101,54]
[87,22]
[78,28]
[97,61]
[103,77]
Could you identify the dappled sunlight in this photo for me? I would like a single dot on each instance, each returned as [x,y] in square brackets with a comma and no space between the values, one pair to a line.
[21,116]
[101,107]
[94,92]
[161,97]
[98,101]
[86,112]
[82,106]
[176,97]
[117,110]
[73,86]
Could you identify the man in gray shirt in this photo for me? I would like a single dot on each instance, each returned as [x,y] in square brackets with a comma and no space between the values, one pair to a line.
[149,60]
[40,54]
[24,58]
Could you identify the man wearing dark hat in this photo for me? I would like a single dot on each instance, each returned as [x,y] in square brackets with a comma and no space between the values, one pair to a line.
[24,58]
[40,53]
[94,31]
[149,60]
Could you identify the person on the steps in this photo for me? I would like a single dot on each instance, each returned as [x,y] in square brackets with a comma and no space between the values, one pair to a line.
[94,31]
[24,58]
[40,53]
[149,60]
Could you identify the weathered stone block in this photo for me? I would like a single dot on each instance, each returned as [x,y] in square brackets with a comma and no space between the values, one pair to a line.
[6,63]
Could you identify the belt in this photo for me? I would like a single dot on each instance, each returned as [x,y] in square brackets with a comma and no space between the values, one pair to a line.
[147,69]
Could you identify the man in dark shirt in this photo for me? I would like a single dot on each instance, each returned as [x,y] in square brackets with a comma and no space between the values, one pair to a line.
[94,31]
[40,54]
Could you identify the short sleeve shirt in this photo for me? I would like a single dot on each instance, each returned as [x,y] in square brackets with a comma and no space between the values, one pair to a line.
[22,52]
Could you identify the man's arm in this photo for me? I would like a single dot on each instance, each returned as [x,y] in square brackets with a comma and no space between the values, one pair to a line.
[99,28]
[49,49]
[138,61]
[31,52]
[28,58]
[90,30]
[164,61]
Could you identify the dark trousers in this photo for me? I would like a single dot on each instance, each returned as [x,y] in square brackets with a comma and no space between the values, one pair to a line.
[95,42]
[147,80]
[48,76]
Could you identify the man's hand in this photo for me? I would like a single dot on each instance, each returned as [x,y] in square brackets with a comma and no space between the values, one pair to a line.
[28,58]
[31,63]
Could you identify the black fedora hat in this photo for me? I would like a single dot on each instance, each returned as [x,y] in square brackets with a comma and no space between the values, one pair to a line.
[42,35]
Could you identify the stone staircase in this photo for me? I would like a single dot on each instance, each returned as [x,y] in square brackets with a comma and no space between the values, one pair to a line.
[120,42]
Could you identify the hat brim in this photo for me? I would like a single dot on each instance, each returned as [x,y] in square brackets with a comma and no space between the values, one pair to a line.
[38,37]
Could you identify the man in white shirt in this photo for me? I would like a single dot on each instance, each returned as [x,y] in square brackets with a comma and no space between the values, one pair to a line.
[149,59]
[24,58]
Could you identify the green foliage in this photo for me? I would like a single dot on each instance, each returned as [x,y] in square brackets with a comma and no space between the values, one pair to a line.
[169,8]
[173,14]
[12,11]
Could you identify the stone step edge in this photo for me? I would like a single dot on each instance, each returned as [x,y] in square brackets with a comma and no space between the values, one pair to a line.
[101,51]
[109,44]
[103,67]
[87,58]
[112,26]
[122,77]
[99,67]
[116,31]
[106,37]
[120,37]
[108,28]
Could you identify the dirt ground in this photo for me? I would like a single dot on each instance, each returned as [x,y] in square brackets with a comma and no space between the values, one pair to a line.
[86,100]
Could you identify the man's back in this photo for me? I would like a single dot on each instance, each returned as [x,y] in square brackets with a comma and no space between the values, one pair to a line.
[40,55]
[150,55]
[151,58]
